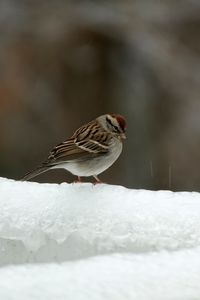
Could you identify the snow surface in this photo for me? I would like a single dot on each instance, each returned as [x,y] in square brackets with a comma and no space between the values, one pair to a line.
[156,276]
[110,242]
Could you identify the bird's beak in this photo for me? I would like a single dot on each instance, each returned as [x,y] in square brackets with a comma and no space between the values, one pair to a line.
[123,136]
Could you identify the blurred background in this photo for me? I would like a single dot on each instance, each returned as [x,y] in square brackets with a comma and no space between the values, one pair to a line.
[63,63]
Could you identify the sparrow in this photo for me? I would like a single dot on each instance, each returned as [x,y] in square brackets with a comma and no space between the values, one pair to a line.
[92,149]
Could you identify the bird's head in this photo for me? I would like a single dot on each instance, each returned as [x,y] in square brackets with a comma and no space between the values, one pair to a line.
[114,123]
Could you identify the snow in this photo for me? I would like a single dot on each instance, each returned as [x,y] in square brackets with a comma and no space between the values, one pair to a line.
[88,241]
[158,276]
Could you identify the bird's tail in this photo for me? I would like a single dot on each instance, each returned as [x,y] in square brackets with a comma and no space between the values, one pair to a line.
[36,172]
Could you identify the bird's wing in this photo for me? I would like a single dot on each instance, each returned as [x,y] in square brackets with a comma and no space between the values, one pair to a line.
[63,152]
[75,150]
[88,141]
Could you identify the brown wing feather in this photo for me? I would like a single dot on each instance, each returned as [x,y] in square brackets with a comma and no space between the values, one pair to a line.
[63,152]
[89,140]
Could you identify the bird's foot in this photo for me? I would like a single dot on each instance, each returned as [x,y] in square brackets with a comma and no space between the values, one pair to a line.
[97,180]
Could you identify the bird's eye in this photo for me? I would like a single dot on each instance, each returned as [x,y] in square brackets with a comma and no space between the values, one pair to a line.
[116,129]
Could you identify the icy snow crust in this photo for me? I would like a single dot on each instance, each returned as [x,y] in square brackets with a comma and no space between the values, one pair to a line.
[114,243]
[48,222]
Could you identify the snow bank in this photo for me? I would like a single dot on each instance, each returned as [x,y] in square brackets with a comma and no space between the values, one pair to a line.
[112,243]
[51,222]
[158,276]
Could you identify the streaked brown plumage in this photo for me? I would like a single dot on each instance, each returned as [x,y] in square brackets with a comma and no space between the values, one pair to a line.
[91,149]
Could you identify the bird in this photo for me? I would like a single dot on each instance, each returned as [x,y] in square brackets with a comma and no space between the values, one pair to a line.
[92,149]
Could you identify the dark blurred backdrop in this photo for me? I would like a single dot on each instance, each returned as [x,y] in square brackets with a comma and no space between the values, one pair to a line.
[62,63]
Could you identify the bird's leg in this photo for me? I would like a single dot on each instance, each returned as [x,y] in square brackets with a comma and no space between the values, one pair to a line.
[78,180]
[97,179]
